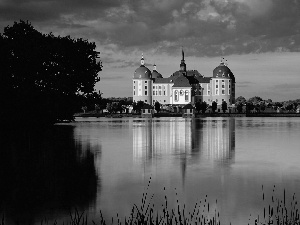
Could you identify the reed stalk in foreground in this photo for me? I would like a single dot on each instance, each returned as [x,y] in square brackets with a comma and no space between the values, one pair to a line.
[277,212]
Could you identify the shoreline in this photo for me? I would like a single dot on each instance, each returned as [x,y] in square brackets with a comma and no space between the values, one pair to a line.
[157,115]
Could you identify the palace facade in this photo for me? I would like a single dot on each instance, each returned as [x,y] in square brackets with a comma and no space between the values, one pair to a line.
[183,86]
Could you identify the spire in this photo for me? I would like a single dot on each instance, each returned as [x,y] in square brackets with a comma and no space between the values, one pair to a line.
[154,67]
[142,60]
[182,64]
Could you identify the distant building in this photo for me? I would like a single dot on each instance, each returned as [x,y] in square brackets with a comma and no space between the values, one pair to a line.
[183,86]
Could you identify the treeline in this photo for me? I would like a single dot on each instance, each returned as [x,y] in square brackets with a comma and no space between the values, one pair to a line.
[259,104]
[44,78]
[94,103]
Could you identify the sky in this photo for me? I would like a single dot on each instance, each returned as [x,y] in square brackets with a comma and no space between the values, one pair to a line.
[260,39]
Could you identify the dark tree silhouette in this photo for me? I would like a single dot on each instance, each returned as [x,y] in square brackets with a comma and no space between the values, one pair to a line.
[42,76]
[198,105]
[249,107]
[204,107]
[139,106]
[224,106]
[214,106]
[157,106]
[134,106]
[239,107]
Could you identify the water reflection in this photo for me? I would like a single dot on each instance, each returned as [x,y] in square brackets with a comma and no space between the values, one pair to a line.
[45,175]
[192,140]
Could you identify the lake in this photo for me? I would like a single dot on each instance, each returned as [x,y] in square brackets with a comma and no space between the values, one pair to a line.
[107,164]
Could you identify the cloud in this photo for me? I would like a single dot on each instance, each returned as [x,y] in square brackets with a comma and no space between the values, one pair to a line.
[203,27]
[112,78]
[131,64]
[244,84]
[286,86]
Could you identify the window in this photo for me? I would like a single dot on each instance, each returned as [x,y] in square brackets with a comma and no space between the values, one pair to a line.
[216,100]
[159,92]
[223,81]
[223,86]
[145,82]
[222,100]
[143,110]
[217,86]
[146,87]
[153,87]
[223,92]
[208,92]
[229,92]
[164,92]
[153,92]
[134,93]
[164,100]
[133,87]
[134,81]
[146,93]
[229,86]
[145,100]
[186,96]
[217,92]
[176,96]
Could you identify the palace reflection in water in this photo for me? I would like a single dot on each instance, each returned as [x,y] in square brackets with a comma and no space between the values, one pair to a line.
[196,140]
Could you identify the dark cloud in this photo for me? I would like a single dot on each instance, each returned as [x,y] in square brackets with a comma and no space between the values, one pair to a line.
[203,27]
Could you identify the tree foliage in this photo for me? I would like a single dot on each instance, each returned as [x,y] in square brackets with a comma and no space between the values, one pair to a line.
[198,105]
[203,107]
[214,106]
[255,100]
[224,106]
[239,107]
[139,106]
[43,76]
[157,106]
[240,99]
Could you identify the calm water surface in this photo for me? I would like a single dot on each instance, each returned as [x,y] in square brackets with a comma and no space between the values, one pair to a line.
[110,162]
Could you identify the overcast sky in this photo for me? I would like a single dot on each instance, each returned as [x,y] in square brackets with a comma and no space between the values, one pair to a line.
[259,38]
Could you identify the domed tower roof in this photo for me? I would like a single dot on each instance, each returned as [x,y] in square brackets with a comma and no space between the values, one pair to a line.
[156,74]
[222,71]
[142,72]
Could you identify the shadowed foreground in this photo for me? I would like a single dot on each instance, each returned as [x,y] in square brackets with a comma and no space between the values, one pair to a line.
[278,212]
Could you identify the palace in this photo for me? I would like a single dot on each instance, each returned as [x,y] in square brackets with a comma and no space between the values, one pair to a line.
[183,86]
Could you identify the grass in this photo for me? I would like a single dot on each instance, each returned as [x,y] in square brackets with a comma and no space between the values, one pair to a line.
[277,212]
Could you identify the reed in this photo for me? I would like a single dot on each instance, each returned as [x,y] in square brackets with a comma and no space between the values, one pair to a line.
[276,211]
